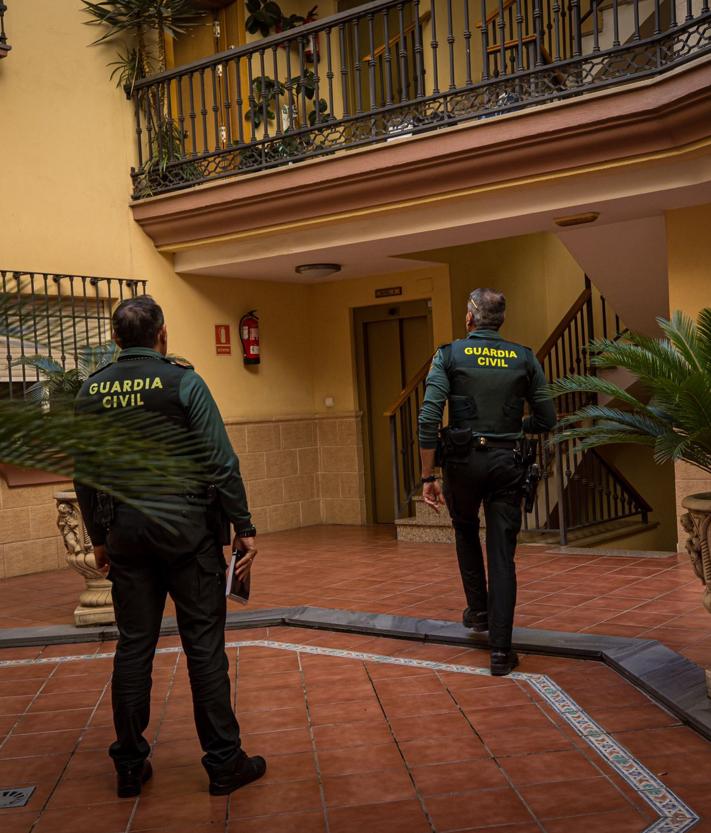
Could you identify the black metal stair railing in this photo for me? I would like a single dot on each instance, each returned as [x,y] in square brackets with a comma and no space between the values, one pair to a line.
[393,68]
[579,489]
[53,315]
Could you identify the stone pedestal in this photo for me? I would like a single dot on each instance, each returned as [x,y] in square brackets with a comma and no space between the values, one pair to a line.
[95,606]
[697,523]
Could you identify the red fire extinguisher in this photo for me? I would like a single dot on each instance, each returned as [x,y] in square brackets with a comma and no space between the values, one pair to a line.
[249,336]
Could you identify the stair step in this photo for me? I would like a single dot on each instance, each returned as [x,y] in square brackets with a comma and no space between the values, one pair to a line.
[438,530]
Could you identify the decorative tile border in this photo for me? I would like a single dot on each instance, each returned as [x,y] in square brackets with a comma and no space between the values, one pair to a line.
[675,816]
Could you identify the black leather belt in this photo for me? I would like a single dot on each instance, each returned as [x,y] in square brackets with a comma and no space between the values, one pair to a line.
[481,443]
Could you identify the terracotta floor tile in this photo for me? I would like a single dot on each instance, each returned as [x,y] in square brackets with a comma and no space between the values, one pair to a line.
[463,776]
[342,735]
[442,750]
[536,740]
[265,682]
[476,809]
[295,767]
[114,818]
[415,705]
[557,799]
[52,721]
[544,767]
[430,725]
[383,785]
[389,817]
[677,739]
[625,717]
[286,823]
[18,821]
[350,712]
[274,699]
[282,797]
[253,722]
[21,687]
[285,742]
[614,821]
[16,704]
[45,743]
[164,811]
[337,692]
[359,759]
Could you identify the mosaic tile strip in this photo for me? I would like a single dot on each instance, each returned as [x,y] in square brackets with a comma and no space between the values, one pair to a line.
[675,816]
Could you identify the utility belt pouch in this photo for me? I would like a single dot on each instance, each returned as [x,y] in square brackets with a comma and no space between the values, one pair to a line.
[457,444]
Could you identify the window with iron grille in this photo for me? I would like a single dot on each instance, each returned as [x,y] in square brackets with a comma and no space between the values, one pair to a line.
[53,316]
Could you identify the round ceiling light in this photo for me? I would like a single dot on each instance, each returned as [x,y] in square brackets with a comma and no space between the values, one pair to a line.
[318,270]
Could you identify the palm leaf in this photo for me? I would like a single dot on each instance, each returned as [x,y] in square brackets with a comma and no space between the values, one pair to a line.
[681,333]
[676,373]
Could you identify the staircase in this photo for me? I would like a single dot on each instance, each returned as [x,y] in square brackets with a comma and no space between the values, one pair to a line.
[582,498]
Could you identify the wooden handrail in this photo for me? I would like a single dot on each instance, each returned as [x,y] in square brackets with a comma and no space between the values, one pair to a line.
[567,319]
[424,17]
[495,13]
[510,44]
[417,379]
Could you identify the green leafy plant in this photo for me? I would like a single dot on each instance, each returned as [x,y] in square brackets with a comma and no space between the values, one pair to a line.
[266,16]
[58,387]
[674,416]
[266,90]
[145,24]
[137,458]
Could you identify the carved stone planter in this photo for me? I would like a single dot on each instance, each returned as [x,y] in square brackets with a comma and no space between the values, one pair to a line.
[95,606]
[697,522]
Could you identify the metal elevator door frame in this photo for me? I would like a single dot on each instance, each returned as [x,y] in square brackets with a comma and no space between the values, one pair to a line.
[407,328]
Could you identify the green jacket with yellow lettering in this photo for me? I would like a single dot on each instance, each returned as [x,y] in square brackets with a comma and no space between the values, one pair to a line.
[143,378]
[487,382]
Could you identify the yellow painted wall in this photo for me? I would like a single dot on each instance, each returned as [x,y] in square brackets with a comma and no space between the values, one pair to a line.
[536,273]
[65,208]
[689,253]
[332,303]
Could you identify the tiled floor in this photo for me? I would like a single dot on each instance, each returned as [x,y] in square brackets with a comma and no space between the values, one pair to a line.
[366,569]
[385,745]
[358,744]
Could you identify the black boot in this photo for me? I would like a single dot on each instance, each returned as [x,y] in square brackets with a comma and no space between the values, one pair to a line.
[503,662]
[475,620]
[246,770]
[130,781]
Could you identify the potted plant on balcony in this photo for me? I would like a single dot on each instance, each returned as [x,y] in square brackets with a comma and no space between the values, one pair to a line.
[674,419]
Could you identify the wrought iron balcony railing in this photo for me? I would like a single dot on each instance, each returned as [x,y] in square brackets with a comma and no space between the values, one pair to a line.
[54,316]
[4,45]
[394,68]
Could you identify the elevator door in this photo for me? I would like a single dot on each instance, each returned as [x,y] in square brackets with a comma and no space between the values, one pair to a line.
[396,342]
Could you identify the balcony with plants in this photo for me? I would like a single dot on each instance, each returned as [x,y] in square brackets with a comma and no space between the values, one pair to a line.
[307,86]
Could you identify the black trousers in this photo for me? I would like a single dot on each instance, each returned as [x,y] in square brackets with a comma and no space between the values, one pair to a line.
[492,477]
[144,569]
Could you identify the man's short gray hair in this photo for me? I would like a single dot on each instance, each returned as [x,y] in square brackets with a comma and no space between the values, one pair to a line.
[488,308]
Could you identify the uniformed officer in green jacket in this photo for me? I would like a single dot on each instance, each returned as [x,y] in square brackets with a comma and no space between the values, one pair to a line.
[147,561]
[487,381]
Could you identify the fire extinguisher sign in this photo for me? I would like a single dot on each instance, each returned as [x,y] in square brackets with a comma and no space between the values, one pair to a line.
[223,345]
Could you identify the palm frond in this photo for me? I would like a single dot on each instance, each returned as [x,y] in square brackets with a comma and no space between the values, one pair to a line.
[591,384]
[681,332]
[139,459]
[703,331]
[675,371]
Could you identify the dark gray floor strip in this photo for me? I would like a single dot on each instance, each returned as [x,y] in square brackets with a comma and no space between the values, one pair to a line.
[665,675]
